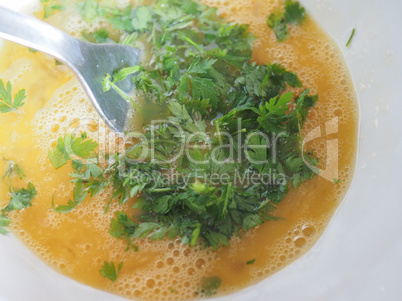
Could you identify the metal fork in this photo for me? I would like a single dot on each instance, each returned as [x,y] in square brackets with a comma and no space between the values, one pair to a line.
[90,62]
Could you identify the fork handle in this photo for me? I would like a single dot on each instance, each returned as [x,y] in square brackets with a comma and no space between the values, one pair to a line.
[33,33]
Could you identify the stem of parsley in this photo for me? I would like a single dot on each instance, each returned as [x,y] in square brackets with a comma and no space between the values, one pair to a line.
[124,95]
[351,37]
[160,190]
[218,132]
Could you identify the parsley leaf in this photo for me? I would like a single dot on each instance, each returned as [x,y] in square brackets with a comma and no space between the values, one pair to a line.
[89,9]
[109,270]
[144,229]
[7,103]
[99,36]
[278,21]
[201,66]
[256,150]
[294,12]
[79,195]
[142,17]
[183,118]
[279,105]
[21,198]
[82,147]
[68,146]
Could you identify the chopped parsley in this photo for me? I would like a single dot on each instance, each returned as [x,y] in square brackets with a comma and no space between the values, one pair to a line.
[99,36]
[231,146]
[7,102]
[109,270]
[250,261]
[294,14]
[109,83]
[20,198]
[79,196]
[124,227]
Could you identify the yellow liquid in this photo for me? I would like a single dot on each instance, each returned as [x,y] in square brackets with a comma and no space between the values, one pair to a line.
[77,244]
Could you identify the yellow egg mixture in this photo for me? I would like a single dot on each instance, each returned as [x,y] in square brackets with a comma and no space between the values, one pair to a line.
[77,244]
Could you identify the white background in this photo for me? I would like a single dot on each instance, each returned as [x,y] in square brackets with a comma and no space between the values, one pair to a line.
[359,257]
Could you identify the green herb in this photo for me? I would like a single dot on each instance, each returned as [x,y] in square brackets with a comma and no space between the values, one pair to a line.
[278,21]
[99,36]
[79,196]
[70,145]
[210,285]
[89,9]
[123,227]
[88,179]
[50,7]
[351,37]
[142,17]
[227,118]
[7,103]
[119,76]
[32,50]
[294,13]
[13,169]
[250,262]
[58,63]
[82,147]
[109,270]
[20,198]
[337,181]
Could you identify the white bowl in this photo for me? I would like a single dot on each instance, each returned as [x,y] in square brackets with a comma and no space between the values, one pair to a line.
[359,256]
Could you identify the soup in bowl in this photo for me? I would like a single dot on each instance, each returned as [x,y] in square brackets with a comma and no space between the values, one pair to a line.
[97,240]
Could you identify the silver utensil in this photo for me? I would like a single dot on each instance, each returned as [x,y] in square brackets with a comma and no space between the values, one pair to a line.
[90,62]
